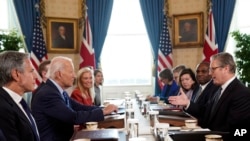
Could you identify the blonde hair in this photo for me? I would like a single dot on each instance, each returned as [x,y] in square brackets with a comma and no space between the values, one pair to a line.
[79,82]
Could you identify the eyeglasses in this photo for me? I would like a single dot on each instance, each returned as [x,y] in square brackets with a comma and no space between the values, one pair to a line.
[212,69]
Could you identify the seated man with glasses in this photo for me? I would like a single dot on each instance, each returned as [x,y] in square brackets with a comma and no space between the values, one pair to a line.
[228,110]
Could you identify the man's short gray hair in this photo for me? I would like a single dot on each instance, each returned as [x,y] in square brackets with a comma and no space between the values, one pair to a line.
[10,60]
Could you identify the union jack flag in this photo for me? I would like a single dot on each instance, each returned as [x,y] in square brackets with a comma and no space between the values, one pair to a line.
[210,45]
[87,53]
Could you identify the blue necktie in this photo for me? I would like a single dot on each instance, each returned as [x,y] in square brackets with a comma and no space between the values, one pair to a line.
[66,98]
[28,112]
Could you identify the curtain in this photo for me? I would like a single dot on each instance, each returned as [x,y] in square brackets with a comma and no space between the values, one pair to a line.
[26,13]
[152,11]
[223,12]
[99,13]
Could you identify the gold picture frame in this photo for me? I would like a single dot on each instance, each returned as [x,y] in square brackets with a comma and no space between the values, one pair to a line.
[188,30]
[62,35]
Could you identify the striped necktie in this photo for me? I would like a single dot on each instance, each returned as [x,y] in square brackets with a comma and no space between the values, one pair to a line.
[33,124]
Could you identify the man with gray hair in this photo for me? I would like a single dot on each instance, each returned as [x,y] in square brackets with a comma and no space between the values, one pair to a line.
[56,113]
[228,110]
[17,76]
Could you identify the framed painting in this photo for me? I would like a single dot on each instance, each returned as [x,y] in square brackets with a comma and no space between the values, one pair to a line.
[188,30]
[62,35]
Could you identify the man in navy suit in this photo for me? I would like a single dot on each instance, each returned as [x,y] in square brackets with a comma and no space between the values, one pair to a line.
[55,112]
[229,109]
[17,76]
[207,87]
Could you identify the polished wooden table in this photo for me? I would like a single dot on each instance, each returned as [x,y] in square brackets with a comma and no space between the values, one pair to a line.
[173,116]
[100,135]
[112,121]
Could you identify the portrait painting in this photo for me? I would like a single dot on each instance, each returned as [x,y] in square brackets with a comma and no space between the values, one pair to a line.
[62,35]
[188,30]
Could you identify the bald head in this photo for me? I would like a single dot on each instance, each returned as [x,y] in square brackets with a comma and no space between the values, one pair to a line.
[202,73]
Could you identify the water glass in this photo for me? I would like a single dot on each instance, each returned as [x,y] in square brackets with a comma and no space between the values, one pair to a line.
[133,128]
[130,113]
[153,118]
[129,104]
[146,105]
[161,129]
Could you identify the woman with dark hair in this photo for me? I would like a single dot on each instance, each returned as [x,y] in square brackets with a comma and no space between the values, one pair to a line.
[188,82]
[170,87]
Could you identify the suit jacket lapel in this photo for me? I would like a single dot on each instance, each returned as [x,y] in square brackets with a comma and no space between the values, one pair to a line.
[15,107]
[224,96]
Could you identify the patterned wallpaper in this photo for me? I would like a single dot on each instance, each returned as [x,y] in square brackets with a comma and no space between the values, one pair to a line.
[63,8]
[190,56]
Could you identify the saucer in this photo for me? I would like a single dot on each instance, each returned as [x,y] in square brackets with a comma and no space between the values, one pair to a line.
[185,127]
[174,128]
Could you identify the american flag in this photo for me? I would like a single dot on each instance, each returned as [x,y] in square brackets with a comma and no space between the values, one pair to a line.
[165,50]
[210,45]
[87,53]
[38,52]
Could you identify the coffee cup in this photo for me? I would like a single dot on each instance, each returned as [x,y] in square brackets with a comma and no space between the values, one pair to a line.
[213,137]
[82,140]
[191,123]
[91,125]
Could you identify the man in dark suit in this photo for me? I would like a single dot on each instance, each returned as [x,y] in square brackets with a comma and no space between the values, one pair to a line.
[229,109]
[56,113]
[207,87]
[2,137]
[17,76]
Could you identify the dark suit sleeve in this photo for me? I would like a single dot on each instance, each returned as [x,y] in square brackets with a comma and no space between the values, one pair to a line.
[50,103]
[13,121]
[7,123]
[2,137]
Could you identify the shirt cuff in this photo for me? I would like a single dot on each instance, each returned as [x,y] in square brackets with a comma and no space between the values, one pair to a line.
[186,107]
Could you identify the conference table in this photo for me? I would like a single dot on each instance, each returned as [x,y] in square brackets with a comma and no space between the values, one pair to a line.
[112,128]
[172,115]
